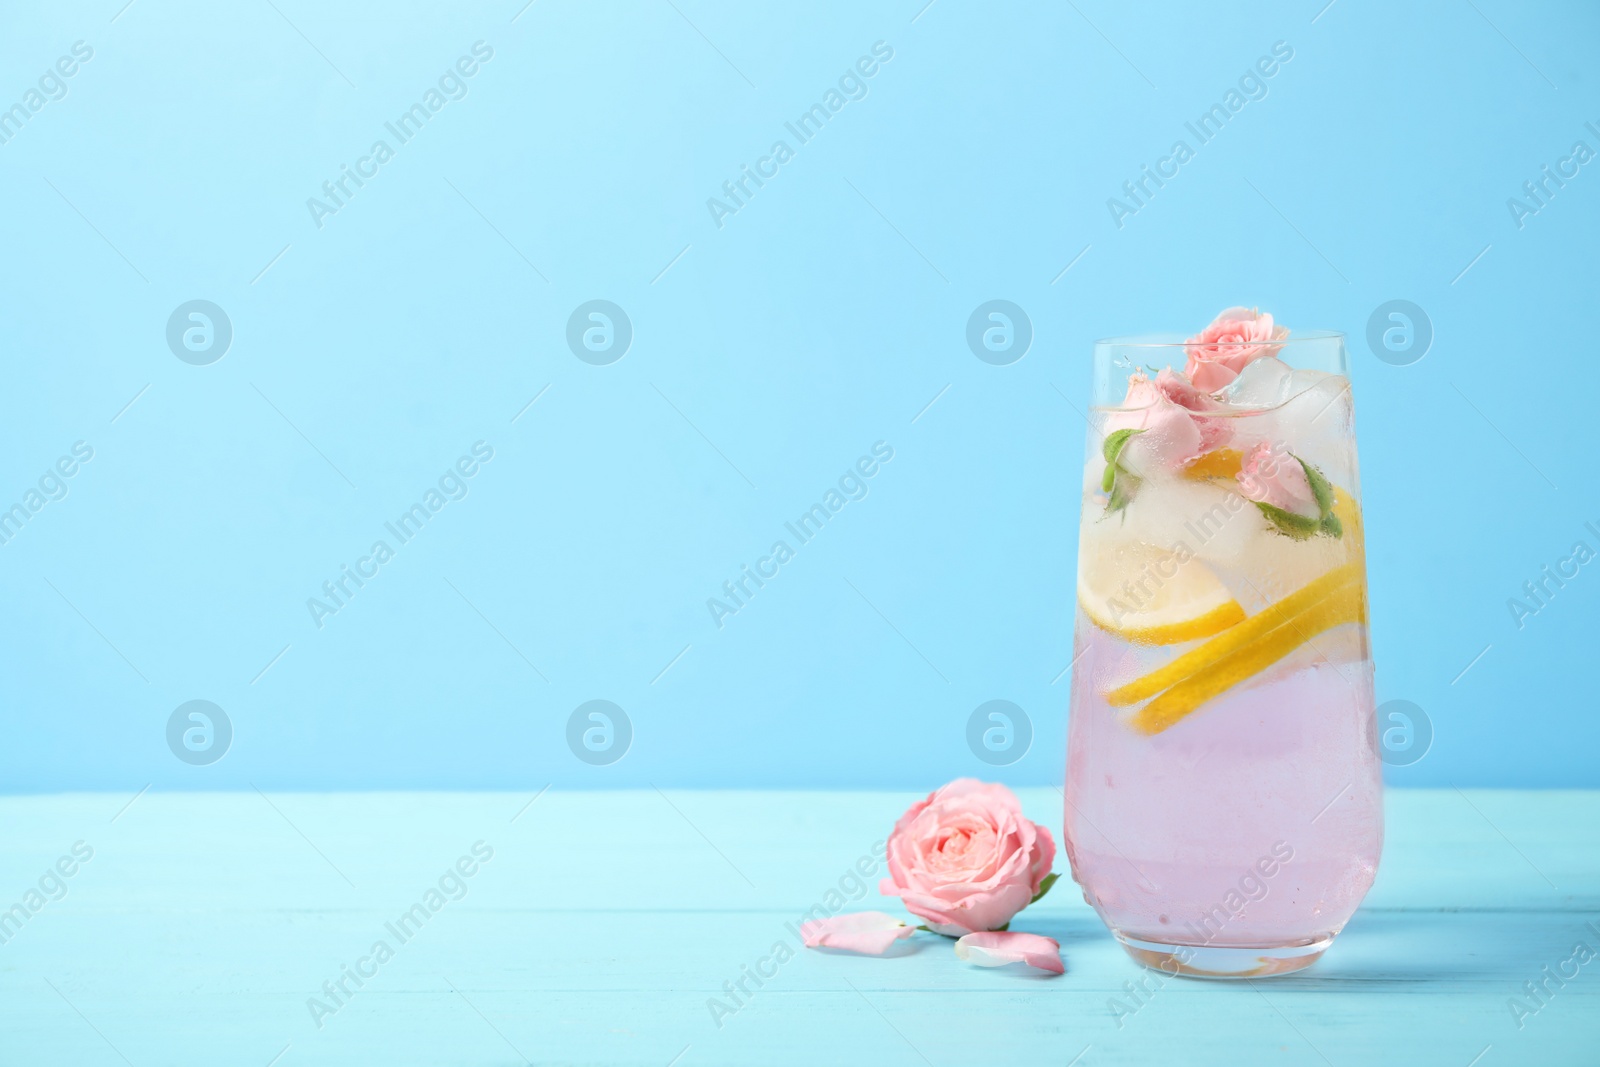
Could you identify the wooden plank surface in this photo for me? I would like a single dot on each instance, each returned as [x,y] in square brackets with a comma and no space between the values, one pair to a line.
[604,923]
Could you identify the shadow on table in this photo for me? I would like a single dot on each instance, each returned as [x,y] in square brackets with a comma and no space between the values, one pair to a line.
[1462,948]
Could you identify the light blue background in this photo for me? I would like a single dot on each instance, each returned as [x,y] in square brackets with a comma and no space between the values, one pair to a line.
[822,318]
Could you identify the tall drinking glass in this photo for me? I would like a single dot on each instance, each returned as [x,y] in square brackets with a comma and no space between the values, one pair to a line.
[1223,788]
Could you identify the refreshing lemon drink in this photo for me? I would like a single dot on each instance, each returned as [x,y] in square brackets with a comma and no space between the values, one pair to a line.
[1223,795]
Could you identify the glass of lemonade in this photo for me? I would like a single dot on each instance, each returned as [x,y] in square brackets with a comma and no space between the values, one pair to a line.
[1223,788]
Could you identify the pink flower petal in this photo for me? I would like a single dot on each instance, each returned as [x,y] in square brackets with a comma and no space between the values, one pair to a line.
[1219,352]
[1000,947]
[867,932]
[1278,479]
[1046,849]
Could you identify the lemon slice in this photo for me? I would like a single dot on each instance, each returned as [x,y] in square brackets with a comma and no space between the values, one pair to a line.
[1346,604]
[1153,596]
[1207,656]
[1349,515]
[1221,463]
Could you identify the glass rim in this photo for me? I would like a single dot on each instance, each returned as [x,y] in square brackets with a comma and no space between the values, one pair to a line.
[1173,340]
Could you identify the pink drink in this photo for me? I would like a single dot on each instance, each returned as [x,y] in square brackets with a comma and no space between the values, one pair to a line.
[1223,796]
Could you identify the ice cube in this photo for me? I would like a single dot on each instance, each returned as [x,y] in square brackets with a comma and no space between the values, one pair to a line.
[1315,425]
[1263,383]
[1208,519]
[1304,381]
[1269,565]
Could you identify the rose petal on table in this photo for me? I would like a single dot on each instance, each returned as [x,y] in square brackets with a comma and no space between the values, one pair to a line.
[996,948]
[867,932]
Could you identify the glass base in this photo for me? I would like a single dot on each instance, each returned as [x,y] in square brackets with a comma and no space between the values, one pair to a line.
[1222,961]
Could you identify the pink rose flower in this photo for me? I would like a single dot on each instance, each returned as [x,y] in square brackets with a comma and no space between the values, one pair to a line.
[966,859]
[1170,415]
[999,948]
[1268,477]
[1220,351]
[867,932]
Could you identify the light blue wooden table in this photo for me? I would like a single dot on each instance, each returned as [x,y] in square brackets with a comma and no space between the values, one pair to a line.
[604,923]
